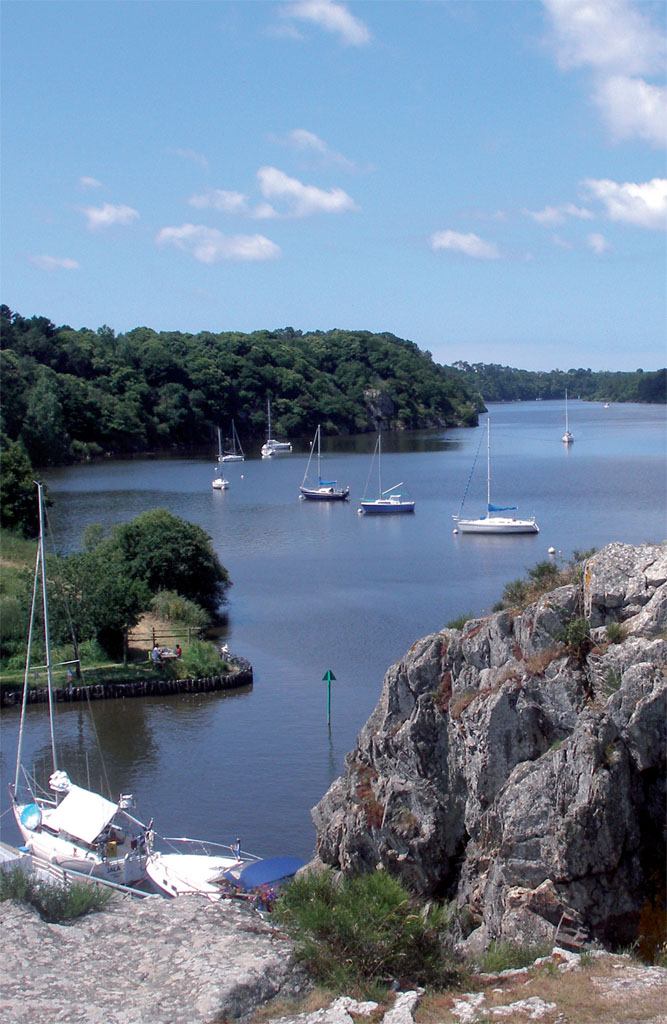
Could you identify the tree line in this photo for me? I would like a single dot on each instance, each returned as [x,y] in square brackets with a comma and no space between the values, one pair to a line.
[72,394]
[507,384]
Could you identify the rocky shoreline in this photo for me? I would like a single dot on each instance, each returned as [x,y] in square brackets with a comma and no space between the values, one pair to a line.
[517,766]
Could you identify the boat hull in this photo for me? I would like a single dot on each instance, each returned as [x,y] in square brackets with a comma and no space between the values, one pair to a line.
[126,869]
[325,493]
[220,485]
[232,458]
[185,874]
[387,507]
[273,448]
[497,524]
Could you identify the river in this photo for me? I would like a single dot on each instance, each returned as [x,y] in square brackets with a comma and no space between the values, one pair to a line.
[318,587]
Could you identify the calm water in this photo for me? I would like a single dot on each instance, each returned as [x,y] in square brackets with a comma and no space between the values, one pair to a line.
[319,587]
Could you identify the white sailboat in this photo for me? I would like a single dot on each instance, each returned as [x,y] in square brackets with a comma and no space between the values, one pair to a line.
[271,447]
[493,522]
[325,490]
[216,871]
[74,828]
[390,500]
[567,437]
[236,454]
[219,483]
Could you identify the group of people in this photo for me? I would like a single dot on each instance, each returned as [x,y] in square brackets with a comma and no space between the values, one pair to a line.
[159,654]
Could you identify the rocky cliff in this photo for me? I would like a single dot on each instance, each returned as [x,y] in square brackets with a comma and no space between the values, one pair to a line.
[518,765]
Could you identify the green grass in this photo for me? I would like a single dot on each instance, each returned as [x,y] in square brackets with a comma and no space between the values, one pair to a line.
[503,956]
[57,904]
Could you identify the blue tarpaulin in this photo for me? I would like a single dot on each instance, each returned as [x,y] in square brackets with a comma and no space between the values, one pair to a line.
[264,872]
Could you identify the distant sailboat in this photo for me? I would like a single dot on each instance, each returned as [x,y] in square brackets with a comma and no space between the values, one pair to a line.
[325,490]
[492,522]
[389,500]
[567,437]
[219,483]
[271,447]
[236,454]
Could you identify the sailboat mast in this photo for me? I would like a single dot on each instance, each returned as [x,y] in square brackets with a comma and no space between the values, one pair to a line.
[488,465]
[26,675]
[47,637]
[380,464]
[566,424]
[319,473]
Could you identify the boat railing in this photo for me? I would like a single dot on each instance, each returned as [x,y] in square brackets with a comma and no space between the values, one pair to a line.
[48,871]
[208,846]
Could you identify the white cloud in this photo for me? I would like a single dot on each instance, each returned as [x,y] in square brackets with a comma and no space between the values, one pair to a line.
[469,245]
[301,200]
[307,142]
[54,263]
[191,155]
[622,46]
[86,182]
[219,199]
[550,216]
[633,107]
[332,17]
[643,205]
[598,243]
[208,245]
[106,215]
[561,242]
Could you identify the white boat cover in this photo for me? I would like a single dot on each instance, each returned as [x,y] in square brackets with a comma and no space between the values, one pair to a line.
[82,814]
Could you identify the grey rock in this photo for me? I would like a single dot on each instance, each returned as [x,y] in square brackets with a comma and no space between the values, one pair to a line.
[522,778]
[155,961]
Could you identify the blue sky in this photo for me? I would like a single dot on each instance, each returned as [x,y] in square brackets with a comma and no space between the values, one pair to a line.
[487,179]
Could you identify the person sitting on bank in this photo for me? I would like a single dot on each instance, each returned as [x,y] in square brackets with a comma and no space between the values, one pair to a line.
[156,655]
[178,650]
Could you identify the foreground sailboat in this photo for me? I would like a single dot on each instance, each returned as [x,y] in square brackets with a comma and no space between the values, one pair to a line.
[271,447]
[214,870]
[493,522]
[390,500]
[75,829]
[567,437]
[325,490]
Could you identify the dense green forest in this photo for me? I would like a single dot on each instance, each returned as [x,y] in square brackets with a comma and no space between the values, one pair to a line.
[69,394]
[506,384]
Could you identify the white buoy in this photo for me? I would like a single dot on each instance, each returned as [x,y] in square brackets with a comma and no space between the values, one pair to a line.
[552,551]
[455,531]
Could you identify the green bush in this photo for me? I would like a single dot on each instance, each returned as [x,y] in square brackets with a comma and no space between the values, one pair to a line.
[460,621]
[200,658]
[54,903]
[170,606]
[360,934]
[515,592]
[503,956]
[576,637]
[615,632]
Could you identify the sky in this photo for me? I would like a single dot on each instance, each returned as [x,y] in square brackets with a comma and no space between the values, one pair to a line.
[486,178]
